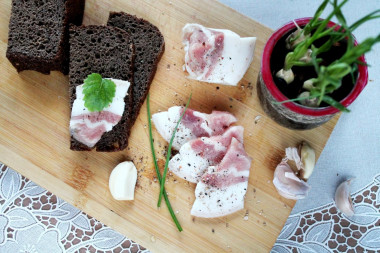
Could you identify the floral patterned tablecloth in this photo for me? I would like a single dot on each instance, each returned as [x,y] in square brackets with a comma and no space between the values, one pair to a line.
[34,220]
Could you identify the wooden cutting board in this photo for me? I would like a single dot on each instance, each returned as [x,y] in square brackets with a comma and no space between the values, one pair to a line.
[34,138]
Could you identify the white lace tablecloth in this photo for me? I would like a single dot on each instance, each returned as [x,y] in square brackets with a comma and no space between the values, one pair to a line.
[33,220]
[325,229]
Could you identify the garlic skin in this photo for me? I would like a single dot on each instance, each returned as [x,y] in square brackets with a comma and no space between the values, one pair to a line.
[343,199]
[292,154]
[307,159]
[287,75]
[288,184]
[122,181]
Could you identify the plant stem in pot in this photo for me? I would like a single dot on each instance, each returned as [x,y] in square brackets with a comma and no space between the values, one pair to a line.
[313,68]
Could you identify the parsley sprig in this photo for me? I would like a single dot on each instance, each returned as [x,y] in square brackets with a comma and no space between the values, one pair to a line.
[98,92]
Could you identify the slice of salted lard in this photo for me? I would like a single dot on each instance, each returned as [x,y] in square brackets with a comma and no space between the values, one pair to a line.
[88,127]
[222,188]
[197,155]
[216,55]
[193,124]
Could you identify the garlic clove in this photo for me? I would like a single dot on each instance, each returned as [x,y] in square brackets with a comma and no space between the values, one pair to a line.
[307,56]
[311,102]
[122,181]
[308,85]
[343,199]
[288,184]
[307,159]
[295,38]
[287,75]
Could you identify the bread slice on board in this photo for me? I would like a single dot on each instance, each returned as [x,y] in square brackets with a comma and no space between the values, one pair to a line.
[149,45]
[108,51]
[39,34]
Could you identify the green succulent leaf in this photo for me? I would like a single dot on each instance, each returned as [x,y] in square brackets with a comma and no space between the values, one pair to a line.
[98,92]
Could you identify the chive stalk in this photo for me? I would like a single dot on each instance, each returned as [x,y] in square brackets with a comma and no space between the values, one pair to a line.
[158,171]
[169,153]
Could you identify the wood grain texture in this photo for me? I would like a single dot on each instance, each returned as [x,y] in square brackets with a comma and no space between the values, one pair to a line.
[34,138]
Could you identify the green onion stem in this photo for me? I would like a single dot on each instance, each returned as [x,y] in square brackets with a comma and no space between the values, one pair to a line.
[168,154]
[157,169]
[295,99]
[329,78]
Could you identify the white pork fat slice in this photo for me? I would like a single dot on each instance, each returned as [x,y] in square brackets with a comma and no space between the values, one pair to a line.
[88,127]
[216,55]
[222,188]
[193,124]
[197,155]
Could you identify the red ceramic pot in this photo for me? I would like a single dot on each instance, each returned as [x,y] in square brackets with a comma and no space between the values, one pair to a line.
[290,114]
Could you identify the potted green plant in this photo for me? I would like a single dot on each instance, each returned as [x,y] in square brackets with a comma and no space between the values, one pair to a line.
[313,68]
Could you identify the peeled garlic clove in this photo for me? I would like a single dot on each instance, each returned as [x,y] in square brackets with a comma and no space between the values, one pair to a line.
[287,75]
[343,199]
[307,159]
[292,154]
[122,181]
[288,184]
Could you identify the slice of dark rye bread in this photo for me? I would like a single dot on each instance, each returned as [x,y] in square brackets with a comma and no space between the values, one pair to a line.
[39,33]
[149,45]
[108,51]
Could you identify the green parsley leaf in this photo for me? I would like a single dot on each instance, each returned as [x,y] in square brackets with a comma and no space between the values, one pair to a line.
[98,92]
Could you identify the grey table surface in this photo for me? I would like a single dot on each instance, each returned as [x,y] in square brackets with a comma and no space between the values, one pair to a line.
[353,149]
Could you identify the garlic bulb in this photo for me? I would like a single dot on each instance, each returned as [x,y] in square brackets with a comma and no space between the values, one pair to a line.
[286,181]
[288,184]
[122,181]
[343,199]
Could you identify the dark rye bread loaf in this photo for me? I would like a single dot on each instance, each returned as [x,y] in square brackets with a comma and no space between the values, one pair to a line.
[39,33]
[149,45]
[109,52]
